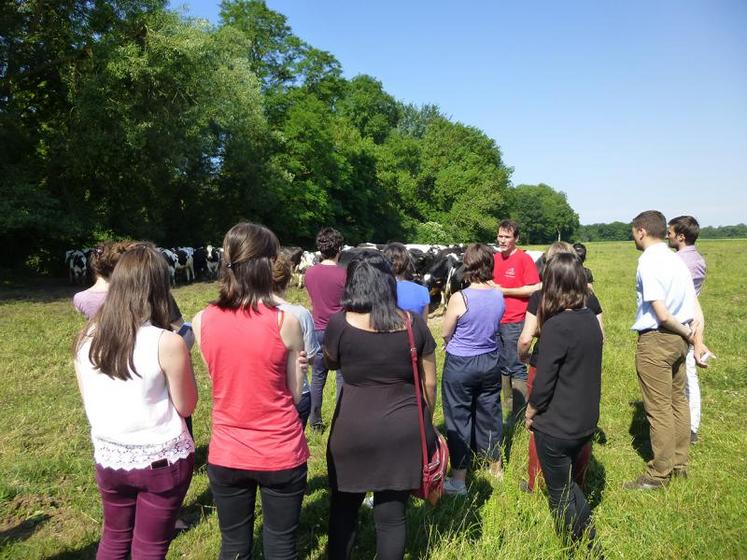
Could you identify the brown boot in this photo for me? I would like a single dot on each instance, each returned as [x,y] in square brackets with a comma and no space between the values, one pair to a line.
[508,398]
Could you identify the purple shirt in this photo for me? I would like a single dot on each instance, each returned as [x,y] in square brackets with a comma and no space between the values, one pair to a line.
[325,284]
[476,330]
[88,302]
[695,264]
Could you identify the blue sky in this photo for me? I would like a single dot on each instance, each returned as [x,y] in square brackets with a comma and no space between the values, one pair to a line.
[624,106]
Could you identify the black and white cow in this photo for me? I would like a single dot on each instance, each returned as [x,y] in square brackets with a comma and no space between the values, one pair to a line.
[214,258]
[76,261]
[308,259]
[444,277]
[171,261]
[185,262]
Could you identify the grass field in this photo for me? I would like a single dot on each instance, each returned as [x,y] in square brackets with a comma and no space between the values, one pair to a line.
[49,505]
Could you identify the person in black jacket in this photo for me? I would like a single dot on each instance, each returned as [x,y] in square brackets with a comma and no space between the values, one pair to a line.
[563,408]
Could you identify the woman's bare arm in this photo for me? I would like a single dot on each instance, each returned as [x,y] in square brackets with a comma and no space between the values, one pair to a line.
[176,364]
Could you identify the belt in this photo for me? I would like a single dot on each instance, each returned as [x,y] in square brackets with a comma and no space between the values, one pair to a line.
[659,329]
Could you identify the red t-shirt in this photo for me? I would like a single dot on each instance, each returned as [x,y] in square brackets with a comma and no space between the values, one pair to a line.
[514,271]
[325,284]
[255,423]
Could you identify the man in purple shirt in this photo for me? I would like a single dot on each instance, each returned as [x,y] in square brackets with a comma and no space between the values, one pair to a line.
[325,283]
[682,232]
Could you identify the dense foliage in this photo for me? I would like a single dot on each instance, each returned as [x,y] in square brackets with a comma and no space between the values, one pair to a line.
[122,118]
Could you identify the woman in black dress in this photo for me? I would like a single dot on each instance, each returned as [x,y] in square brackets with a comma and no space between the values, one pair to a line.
[374,443]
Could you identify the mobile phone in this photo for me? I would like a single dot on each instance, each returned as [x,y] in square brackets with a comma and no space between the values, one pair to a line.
[705,356]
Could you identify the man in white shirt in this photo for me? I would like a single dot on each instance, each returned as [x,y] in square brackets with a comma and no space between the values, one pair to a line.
[664,322]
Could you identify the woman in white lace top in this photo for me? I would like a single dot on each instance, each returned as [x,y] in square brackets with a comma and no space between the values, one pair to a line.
[137,384]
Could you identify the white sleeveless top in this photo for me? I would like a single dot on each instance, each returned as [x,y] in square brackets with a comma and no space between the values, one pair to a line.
[133,422]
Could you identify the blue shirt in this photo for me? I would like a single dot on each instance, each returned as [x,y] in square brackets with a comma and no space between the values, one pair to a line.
[412,297]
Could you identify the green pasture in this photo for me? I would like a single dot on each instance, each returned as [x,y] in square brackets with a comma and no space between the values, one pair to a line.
[49,505]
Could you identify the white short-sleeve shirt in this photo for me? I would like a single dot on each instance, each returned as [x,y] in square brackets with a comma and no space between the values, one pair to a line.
[663,276]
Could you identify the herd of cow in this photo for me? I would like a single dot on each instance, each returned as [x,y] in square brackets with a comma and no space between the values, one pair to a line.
[438,267]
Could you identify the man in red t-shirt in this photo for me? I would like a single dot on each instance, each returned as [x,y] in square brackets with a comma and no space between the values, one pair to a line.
[515,274]
[325,283]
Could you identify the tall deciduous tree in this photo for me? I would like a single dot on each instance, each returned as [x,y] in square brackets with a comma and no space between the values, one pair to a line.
[543,213]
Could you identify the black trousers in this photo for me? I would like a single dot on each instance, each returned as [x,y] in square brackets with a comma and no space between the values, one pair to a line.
[389,516]
[234,493]
[567,501]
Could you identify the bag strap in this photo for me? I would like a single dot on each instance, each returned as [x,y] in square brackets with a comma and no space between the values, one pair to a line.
[418,387]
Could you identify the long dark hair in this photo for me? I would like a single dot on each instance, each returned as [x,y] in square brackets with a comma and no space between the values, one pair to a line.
[138,293]
[372,288]
[564,286]
[400,258]
[246,276]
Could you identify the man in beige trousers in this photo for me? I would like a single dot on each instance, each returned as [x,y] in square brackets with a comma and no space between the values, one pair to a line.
[665,325]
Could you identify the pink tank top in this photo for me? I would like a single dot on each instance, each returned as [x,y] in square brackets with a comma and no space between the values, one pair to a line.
[255,423]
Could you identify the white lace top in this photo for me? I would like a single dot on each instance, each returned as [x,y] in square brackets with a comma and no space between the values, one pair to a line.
[133,422]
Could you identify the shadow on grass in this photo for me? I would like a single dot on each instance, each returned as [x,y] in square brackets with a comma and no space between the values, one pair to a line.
[639,430]
[84,553]
[24,529]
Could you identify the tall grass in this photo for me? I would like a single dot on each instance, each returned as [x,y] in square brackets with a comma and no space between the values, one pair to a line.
[49,505]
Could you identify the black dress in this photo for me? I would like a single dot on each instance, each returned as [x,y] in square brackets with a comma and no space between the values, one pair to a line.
[374,442]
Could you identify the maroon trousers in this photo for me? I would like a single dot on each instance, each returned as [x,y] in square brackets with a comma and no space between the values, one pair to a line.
[534,470]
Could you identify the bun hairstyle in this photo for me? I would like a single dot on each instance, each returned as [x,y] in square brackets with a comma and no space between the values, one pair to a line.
[106,256]
[564,286]
[282,272]
[249,251]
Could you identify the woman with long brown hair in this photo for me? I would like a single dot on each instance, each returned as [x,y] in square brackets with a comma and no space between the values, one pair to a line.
[563,408]
[250,347]
[136,380]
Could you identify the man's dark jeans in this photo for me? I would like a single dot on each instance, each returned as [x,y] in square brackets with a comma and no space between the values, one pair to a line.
[318,380]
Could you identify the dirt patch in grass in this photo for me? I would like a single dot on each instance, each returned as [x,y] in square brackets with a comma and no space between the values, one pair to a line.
[25,515]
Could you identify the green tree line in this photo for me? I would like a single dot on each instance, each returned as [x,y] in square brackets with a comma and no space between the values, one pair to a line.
[620,231]
[122,118]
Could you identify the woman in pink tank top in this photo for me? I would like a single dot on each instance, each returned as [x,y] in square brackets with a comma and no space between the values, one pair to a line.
[250,348]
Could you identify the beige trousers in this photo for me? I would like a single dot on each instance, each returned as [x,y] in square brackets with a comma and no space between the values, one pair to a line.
[660,362]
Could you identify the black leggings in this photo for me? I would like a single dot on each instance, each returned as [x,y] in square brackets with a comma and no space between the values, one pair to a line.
[389,515]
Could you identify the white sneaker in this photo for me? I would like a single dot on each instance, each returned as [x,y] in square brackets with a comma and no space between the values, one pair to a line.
[368,501]
[454,487]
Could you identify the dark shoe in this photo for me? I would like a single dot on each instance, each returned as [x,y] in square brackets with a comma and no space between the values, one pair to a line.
[693,438]
[679,472]
[317,427]
[524,487]
[644,482]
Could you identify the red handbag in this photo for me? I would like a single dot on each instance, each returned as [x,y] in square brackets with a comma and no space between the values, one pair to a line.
[434,469]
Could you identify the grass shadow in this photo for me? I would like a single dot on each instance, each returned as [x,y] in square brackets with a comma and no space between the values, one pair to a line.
[639,430]
[83,553]
[596,482]
[24,529]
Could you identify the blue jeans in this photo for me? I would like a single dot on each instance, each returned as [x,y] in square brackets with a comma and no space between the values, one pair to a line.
[318,380]
[304,408]
[471,392]
[511,365]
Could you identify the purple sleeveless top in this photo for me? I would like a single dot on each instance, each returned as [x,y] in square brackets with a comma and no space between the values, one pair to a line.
[477,330]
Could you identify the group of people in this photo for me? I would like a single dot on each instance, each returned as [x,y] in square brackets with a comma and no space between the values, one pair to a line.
[138,387]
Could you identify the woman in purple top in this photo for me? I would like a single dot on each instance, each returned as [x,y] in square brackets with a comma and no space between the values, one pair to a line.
[471,381]
[103,260]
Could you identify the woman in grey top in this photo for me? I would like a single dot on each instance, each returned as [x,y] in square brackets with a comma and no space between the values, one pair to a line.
[282,271]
